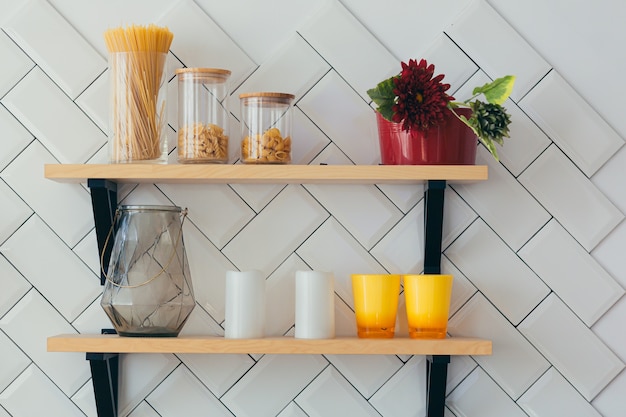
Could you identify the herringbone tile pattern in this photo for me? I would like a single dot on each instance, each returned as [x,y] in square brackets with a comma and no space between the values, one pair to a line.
[536,249]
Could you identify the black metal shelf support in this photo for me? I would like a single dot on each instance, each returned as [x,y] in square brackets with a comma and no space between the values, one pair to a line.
[436,375]
[104,204]
[437,365]
[104,377]
[105,366]
[433,225]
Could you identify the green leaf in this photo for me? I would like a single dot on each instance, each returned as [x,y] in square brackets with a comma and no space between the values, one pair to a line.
[491,147]
[497,91]
[468,123]
[486,141]
[383,96]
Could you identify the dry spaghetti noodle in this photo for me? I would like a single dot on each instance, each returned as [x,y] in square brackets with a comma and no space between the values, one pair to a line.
[137,61]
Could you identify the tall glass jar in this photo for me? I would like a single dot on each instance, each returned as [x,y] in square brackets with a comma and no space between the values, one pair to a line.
[148,289]
[266,128]
[203,115]
[138,90]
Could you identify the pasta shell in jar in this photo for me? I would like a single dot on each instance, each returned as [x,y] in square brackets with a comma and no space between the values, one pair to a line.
[266,128]
[203,115]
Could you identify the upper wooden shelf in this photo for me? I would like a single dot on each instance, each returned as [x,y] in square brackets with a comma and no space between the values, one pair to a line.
[265,174]
[270,345]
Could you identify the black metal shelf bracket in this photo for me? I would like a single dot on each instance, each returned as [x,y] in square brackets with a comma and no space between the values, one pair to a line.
[433,225]
[437,366]
[104,366]
[104,204]
[436,375]
[104,376]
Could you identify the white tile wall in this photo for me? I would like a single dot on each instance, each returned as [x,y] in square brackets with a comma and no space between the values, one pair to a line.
[571,272]
[61,206]
[349,47]
[200,42]
[15,211]
[292,410]
[404,38]
[509,209]
[15,361]
[610,402]
[294,69]
[28,324]
[573,200]
[45,255]
[506,53]
[62,53]
[497,271]
[243,27]
[361,209]
[536,251]
[367,373]
[452,62]
[553,395]
[285,223]
[330,394]
[15,137]
[480,395]
[401,249]
[39,104]
[272,384]
[14,284]
[335,107]
[343,256]
[182,393]
[144,410]
[219,222]
[208,268]
[573,349]
[408,382]
[604,329]
[17,64]
[515,364]
[140,375]
[18,399]
[570,122]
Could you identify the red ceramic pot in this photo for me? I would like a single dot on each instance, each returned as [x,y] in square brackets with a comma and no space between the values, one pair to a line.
[450,143]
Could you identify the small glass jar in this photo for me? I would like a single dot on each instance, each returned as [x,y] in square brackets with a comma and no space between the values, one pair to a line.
[266,128]
[203,115]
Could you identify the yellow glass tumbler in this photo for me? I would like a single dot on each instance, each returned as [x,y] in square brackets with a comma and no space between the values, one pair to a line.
[375,304]
[427,300]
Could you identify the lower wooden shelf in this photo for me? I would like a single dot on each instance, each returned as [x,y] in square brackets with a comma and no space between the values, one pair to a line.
[270,345]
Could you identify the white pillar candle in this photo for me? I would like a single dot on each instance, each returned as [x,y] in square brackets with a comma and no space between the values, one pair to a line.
[315,305]
[244,305]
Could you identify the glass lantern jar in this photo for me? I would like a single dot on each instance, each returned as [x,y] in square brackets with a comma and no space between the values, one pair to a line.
[266,128]
[203,115]
[148,289]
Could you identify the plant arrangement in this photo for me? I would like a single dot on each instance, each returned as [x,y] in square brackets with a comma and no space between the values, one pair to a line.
[418,99]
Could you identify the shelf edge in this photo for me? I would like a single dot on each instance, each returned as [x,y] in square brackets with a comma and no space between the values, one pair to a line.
[264,174]
[269,345]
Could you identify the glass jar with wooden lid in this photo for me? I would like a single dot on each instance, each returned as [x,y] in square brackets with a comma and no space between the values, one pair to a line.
[266,127]
[203,115]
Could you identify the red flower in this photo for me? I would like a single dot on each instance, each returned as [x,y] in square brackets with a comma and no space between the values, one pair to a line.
[422,99]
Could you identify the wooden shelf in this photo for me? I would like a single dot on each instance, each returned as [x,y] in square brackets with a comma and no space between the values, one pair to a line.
[265,174]
[270,345]
[103,350]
